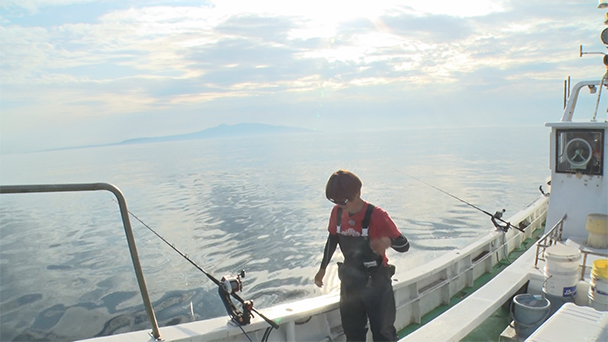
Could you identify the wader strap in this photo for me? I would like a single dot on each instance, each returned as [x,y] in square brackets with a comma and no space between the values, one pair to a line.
[365,222]
[339,218]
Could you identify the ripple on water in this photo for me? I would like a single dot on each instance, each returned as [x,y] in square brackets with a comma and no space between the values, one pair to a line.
[229,207]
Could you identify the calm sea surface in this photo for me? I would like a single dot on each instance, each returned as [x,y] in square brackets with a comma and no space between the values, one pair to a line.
[253,203]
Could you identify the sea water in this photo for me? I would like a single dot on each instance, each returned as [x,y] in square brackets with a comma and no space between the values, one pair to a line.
[252,203]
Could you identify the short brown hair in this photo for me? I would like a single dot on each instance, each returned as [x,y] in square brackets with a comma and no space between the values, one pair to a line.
[342,185]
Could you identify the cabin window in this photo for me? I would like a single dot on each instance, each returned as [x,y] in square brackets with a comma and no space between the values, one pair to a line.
[580,151]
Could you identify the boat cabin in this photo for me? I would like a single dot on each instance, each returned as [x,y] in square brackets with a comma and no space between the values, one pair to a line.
[578,150]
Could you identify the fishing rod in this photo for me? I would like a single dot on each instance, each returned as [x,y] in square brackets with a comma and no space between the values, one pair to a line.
[497,216]
[229,285]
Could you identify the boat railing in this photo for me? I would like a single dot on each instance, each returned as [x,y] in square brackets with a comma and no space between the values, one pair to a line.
[550,238]
[122,202]
[573,98]
[554,236]
[585,255]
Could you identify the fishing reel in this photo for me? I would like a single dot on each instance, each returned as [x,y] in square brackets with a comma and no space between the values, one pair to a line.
[505,227]
[498,217]
[230,285]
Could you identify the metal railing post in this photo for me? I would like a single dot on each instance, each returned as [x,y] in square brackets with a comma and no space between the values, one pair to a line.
[122,203]
[554,235]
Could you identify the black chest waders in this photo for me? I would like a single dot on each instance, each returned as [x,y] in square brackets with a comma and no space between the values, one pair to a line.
[360,261]
[365,287]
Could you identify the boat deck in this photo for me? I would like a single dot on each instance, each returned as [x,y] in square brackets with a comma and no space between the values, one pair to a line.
[459,321]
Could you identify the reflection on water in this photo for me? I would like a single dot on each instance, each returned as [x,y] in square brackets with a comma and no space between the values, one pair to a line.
[256,204]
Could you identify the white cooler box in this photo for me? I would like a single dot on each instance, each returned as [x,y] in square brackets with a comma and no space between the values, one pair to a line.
[573,323]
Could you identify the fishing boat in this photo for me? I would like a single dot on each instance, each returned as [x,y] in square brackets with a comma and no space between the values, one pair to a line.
[541,274]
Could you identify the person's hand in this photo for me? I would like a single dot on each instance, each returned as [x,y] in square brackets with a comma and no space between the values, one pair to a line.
[380,245]
[319,277]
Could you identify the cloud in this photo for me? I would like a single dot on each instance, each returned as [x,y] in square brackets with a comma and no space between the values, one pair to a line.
[34,6]
[436,29]
[253,62]
[263,29]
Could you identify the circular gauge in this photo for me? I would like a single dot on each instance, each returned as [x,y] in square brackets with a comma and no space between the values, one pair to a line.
[604,36]
[578,153]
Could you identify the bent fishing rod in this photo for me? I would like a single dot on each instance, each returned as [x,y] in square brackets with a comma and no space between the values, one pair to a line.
[229,285]
[497,216]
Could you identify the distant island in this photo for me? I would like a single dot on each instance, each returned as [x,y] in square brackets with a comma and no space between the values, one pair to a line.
[221,131]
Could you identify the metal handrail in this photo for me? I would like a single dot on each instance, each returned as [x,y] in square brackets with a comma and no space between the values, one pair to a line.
[122,202]
[555,235]
[585,255]
[549,239]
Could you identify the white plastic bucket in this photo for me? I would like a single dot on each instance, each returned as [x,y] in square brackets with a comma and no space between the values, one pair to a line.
[529,312]
[598,300]
[561,270]
[598,290]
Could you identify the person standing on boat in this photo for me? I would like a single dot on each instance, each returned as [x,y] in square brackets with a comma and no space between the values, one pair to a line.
[364,232]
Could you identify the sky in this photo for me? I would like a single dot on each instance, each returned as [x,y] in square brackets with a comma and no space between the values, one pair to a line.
[80,72]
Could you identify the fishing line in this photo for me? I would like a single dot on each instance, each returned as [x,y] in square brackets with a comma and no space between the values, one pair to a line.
[495,216]
[217,282]
[212,278]
[266,334]
[243,330]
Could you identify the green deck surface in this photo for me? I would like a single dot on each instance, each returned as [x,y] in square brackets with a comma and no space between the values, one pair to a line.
[491,329]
